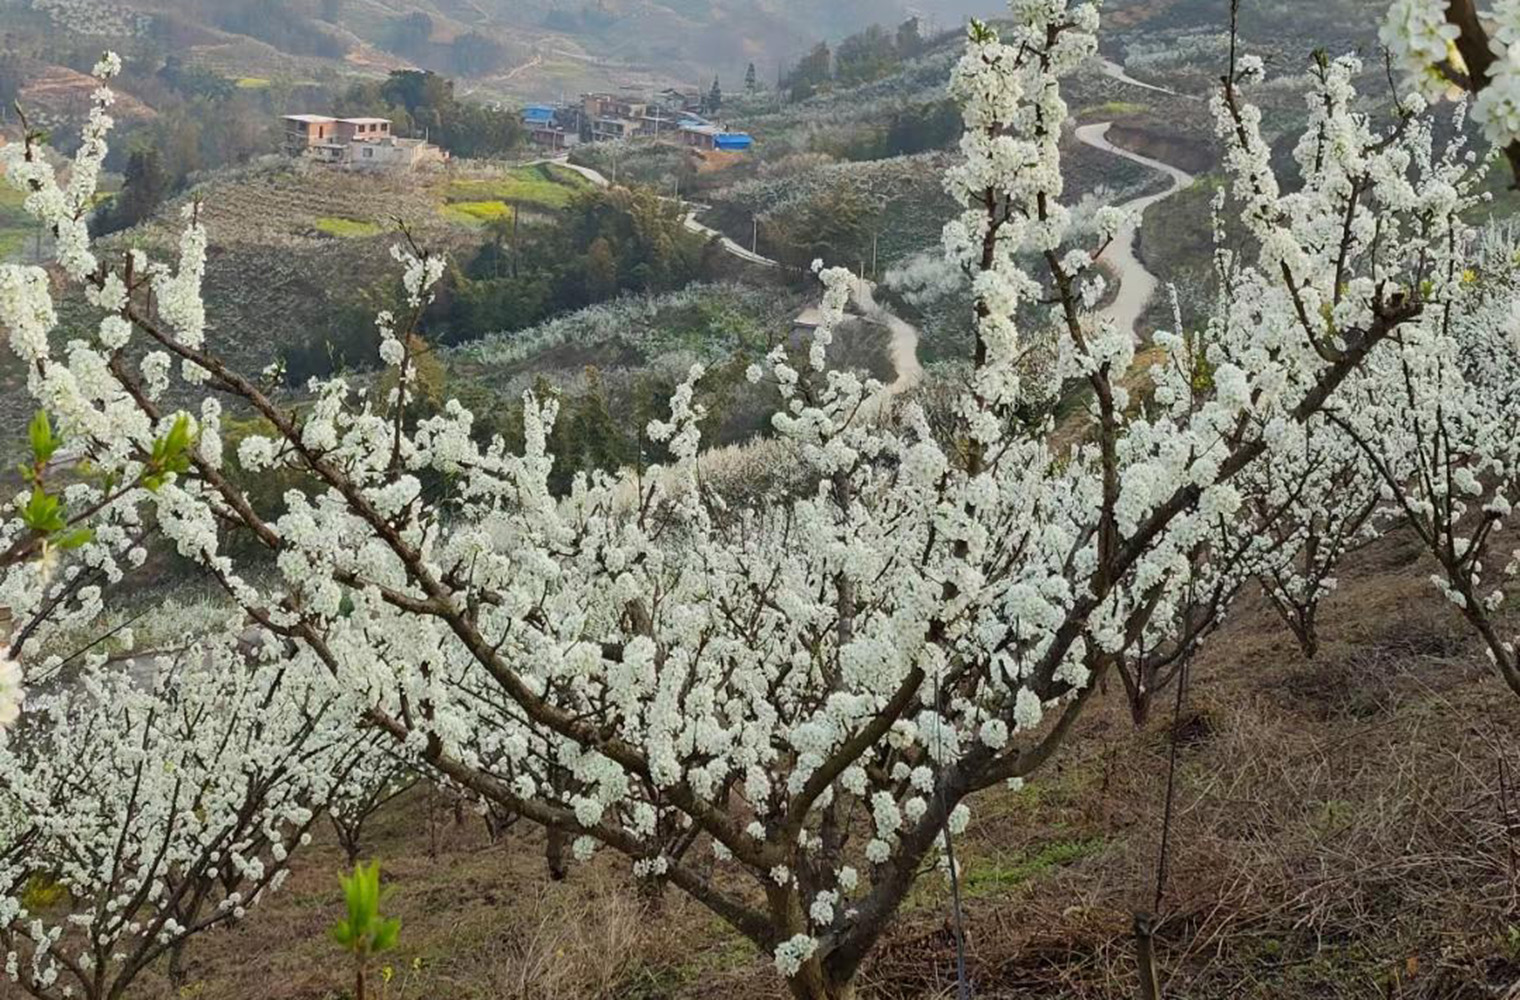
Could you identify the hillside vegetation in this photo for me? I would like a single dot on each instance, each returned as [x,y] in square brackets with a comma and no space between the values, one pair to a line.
[582,540]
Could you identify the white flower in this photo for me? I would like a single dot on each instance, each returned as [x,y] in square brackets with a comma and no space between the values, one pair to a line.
[791,953]
[12,691]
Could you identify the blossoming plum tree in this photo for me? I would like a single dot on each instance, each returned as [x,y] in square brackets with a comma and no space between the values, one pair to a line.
[810,689]
[133,818]
[1436,420]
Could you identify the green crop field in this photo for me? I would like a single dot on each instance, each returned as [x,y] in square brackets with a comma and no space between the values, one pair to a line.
[348,228]
[545,187]
[476,213]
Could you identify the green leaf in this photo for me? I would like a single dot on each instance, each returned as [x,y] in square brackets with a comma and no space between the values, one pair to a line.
[364,932]
[342,933]
[43,512]
[78,538]
[179,437]
[171,454]
[386,934]
[40,432]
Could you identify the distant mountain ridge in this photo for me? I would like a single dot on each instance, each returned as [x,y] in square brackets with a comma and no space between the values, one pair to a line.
[503,47]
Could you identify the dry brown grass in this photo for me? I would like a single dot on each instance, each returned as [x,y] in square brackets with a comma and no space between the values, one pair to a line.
[1340,832]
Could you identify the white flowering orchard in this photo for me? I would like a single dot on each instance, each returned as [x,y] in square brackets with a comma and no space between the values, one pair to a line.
[132,818]
[1436,421]
[807,690]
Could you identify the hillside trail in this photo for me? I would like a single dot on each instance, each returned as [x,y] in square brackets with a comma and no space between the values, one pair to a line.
[902,348]
[1114,70]
[1137,285]
[516,71]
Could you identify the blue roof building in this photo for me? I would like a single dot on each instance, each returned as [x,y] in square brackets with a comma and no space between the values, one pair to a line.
[706,136]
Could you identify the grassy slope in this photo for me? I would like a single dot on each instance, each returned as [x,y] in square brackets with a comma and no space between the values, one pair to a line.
[543,188]
[1338,834]
[15,225]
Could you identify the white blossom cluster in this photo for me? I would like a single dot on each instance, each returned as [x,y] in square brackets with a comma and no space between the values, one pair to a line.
[812,685]
[12,692]
[95,17]
[133,818]
[1422,38]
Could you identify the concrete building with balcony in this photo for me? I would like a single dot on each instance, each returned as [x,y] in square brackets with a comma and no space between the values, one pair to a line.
[362,143]
[363,129]
[303,132]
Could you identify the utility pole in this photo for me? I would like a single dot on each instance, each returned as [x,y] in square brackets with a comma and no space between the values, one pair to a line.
[516,214]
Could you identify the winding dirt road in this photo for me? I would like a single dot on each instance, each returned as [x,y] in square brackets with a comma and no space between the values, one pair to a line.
[1136,284]
[1113,69]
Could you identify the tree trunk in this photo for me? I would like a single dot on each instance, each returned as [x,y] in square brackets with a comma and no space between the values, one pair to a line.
[812,982]
[1306,633]
[651,892]
[554,852]
[347,839]
[177,963]
[1145,955]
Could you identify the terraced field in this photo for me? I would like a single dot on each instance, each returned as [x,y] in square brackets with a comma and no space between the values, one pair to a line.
[289,247]
[542,187]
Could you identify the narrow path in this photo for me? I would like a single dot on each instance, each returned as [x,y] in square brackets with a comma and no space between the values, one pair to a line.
[1136,284]
[1114,70]
[732,247]
[594,176]
[902,349]
[516,71]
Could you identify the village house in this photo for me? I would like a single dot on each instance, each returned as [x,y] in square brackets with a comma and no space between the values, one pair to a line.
[715,138]
[361,143]
[304,132]
[363,129]
[607,117]
[551,128]
[612,117]
[682,101]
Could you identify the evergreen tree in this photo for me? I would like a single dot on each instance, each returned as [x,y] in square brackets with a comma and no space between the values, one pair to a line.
[910,39]
[601,270]
[814,71]
[145,187]
[751,83]
[715,98]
